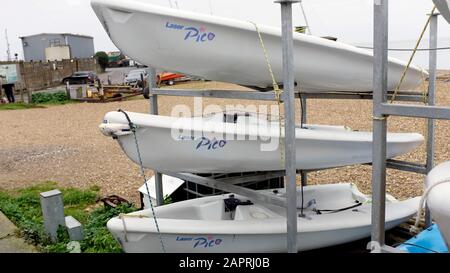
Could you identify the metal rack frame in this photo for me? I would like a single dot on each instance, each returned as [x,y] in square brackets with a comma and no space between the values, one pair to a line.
[381,110]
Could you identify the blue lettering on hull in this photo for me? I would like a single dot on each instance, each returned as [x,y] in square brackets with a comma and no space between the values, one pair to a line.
[199,35]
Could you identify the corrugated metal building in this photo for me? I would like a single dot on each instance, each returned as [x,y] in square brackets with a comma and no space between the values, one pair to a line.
[79,46]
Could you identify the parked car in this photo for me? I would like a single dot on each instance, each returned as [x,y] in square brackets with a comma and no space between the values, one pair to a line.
[134,77]
[81,77]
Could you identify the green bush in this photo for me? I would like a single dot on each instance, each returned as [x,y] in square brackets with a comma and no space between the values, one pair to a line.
[102,59]
[57,97]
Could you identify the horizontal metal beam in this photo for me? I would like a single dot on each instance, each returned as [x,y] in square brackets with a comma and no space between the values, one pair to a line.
[401,96]
[209,182]
[406,166]
[252,177]
[270,95]
[196,193]
[418,111]
[223,94]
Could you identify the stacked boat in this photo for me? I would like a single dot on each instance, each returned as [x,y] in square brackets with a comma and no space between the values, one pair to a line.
[437,195]
[228,50]
[332,214]
[444,8]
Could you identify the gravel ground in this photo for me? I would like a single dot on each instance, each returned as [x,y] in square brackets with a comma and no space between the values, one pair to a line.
[63,144]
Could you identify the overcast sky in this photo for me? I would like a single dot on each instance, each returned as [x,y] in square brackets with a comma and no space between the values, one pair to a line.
[349,20]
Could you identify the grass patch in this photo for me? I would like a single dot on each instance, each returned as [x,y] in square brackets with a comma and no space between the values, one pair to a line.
[50,98]
[23,208]
[40,100]
[19,106]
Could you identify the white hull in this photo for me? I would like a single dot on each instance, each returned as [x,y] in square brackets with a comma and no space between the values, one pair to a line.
[229,50]
[209,146]
[203,225]
[444,8]
[438,199]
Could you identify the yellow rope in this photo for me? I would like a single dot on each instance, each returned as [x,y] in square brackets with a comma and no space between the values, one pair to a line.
[397,88]
[278,94]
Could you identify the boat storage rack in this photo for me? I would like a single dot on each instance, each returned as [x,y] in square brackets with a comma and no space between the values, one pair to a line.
[382,109]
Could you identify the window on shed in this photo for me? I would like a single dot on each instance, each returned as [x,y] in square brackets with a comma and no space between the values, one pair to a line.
[54,42]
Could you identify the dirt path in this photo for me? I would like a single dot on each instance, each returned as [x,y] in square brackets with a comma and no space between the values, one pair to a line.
[63,144]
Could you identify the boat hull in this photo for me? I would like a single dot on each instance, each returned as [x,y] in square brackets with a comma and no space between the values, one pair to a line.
[228,50]
[438,198]
[188,145]
[444,8]
[198,226]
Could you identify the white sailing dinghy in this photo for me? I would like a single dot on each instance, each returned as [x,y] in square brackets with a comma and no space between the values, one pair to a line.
[229,50]
[333,214]
[241,142]
[438,198]
[444,8]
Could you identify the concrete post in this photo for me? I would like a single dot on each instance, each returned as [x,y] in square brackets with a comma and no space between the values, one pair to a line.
[68,90]
[74,228]
[53,212]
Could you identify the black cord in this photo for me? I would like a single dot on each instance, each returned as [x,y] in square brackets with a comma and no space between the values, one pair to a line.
[301,189]
[319,211]
[302,110]
[131,124]
[409,244]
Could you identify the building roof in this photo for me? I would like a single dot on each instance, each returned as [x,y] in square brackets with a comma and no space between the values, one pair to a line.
[63,34]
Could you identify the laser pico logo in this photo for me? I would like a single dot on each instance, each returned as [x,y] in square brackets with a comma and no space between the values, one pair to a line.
[199,35]
[201,242]
[211,144]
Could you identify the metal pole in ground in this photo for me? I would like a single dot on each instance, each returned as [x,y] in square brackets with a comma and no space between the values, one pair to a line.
[154,111]
[289,109]
[379,121]
[431,101]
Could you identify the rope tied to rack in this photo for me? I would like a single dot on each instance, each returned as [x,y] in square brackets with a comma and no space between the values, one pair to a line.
[141,165]
[415,228]
[278,93]
[397,88]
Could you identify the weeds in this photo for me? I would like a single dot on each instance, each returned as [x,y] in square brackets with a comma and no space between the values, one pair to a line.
[49,98]
[19,106]
[23,208]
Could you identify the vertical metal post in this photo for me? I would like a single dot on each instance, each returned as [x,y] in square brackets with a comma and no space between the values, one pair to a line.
[431,101]
[304,119]
[154,111]
[304,178]
[289,108]
[379,120]
[304,116]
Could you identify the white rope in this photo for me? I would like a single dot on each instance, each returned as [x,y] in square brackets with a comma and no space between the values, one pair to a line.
[415,228]
[125,231]
[123,216]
